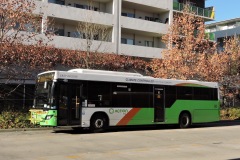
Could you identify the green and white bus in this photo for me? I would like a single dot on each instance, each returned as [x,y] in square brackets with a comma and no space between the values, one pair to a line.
[98,99]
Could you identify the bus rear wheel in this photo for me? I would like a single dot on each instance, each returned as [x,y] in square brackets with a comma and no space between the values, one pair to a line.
[98,123]
[185,120]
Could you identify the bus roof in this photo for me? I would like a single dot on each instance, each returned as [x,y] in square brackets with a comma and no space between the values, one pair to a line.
[124,77]
[102,72]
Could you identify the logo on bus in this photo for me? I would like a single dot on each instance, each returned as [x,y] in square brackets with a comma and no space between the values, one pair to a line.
[123,111]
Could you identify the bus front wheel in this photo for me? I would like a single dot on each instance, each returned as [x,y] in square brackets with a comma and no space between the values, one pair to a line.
[98,123]
[185,120]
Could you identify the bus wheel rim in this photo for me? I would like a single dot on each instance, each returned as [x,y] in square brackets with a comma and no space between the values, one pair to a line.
[99,123]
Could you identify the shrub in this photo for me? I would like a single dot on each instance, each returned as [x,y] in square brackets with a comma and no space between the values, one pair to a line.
[14,119]
[230,113]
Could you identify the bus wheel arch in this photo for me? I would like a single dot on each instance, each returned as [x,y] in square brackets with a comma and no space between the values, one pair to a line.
[185,119]
[99,122]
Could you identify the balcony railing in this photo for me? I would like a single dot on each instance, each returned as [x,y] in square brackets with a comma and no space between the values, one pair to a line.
[205,12]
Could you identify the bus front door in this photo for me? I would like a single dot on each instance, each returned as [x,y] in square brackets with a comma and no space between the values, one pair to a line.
[69,111]
[159,109]
[75,110]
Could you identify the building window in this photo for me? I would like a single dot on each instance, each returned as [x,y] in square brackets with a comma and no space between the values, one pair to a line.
[86,7]
[61,2]
[79,6]
[149,43]
[76,34]
[59,32]
[127,41]
[31,28]
[150,18]
[128,15]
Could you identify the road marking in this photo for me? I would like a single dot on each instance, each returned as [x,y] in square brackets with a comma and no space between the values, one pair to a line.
[73,157]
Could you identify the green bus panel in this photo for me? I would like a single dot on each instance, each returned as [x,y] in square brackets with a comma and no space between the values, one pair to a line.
[143,117]
[201,111]
[52,121]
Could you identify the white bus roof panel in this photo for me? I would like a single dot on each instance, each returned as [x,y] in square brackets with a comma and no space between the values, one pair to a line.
[124,77]
[102,72]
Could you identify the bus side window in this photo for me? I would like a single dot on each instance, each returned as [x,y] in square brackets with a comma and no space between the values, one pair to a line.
[170,96]
[121,95]
[99,94]
[185,93]
[141,96]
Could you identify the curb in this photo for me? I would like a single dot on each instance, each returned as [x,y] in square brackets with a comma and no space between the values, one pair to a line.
[229,121]
[25,129]
[220,123]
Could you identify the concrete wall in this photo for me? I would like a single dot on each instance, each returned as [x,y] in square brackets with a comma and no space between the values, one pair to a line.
[76,14]
[143,25]
[164,4]
[140,51]
[226,33]
[80,44]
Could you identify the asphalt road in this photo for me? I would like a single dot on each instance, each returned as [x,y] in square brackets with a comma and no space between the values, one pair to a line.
[219,141]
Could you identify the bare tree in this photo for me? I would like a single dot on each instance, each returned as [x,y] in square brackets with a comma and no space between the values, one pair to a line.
[18,23]
[19,26]
[92,32]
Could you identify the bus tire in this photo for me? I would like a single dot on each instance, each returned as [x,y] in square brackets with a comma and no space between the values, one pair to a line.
[98,123]
[184,120]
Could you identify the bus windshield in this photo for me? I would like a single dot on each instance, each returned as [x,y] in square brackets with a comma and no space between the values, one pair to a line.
[43,93]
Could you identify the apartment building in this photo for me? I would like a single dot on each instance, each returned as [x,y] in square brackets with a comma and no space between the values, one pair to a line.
[223,29]
[136,26]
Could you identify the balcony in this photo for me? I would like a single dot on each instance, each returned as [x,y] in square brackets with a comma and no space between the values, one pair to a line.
[141,51]
[81,44]
[95,5]
[143,4]
[144,25]
[76,14]
[204,12]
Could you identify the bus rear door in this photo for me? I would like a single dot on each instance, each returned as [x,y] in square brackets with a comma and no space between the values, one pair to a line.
[159,109]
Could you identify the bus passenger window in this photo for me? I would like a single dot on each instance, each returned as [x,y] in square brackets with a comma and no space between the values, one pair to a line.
[121,95]
[99,94]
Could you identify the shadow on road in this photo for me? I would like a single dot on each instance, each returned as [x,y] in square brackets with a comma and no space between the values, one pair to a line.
[151,127]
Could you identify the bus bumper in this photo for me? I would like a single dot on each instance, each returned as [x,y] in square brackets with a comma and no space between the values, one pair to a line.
[49,119]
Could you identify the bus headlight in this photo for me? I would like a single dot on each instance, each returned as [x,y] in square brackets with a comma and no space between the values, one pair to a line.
[53,107]
[48,117]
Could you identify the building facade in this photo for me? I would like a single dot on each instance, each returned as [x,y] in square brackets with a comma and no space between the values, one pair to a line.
[224,29]
[136,26]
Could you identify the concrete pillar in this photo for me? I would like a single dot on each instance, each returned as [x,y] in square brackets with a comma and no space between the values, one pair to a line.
[117,10]
[43,13]
[44,24]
